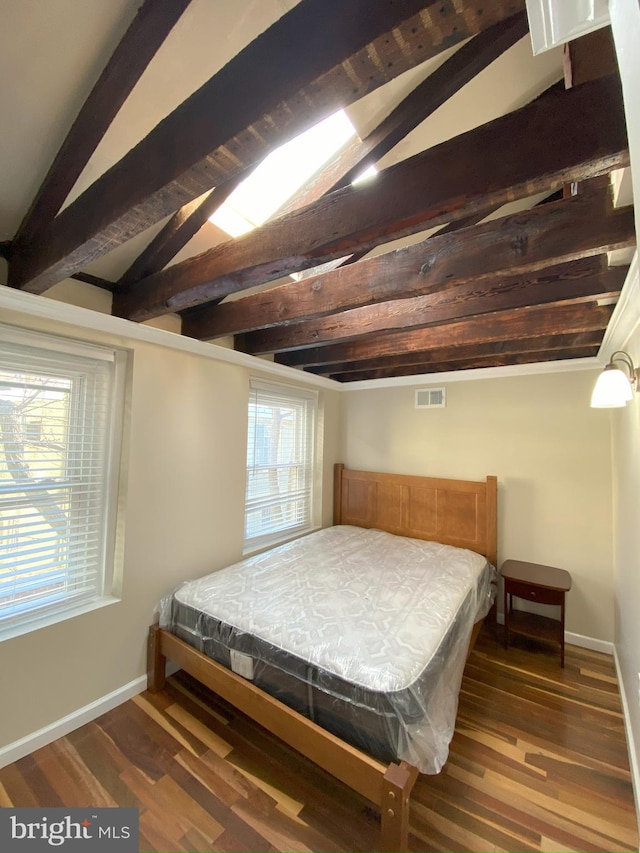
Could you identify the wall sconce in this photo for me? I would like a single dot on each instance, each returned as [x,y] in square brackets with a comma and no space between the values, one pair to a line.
[614,388]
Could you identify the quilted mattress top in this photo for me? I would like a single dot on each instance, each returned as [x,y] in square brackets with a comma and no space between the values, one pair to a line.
[362,604]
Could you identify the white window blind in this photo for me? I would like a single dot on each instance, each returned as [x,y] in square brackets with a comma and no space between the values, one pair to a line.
[280,462]
[59,458]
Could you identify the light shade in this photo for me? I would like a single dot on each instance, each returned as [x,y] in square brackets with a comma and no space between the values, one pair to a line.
[614,387]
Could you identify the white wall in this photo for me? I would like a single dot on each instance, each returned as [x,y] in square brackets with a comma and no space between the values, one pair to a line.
[549,450]
[626,510]
[625,23]
[184,517]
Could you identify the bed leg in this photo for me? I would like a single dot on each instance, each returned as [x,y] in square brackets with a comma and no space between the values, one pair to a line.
[396,795]
[156,661]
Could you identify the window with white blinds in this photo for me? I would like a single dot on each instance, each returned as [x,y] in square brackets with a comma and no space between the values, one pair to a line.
[60,430]
[280,463]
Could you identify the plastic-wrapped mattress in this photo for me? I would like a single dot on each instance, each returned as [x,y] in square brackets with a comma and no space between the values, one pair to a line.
[364,632]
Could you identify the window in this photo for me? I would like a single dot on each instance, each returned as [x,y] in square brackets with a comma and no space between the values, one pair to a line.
[281,174]
[280,463]
[60,430]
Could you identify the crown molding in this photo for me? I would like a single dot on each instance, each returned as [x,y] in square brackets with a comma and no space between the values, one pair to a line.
[83,319]
[626,315]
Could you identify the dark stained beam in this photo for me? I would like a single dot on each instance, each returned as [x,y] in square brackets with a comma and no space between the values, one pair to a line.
[472,363]
[589,57]
[472,219]
[174,236]
[356,155]
[321,55]
[5,252]
[196,320]
[152,24]
[520,243]
[560,137]
[449,228]
[468,61]
[529,322]
[416,362]
[467,300]
[466,221]
[95,280]
[472,58]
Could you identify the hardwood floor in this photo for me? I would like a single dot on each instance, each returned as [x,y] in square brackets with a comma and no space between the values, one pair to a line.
[538,763]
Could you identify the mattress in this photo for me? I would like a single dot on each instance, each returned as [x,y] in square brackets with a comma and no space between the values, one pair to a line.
[363,631]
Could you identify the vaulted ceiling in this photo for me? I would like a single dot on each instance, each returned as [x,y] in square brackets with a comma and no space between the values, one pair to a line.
[497,231]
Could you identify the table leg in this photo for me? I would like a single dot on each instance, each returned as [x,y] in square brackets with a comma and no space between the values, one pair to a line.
[507,604]
[562,632]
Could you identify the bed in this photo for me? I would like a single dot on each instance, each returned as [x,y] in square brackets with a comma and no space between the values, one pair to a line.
[362,675]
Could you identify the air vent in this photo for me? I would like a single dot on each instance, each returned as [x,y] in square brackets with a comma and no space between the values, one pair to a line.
[431,398]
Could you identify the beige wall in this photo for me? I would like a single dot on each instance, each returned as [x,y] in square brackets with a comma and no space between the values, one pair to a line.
[184,517]
[551,454]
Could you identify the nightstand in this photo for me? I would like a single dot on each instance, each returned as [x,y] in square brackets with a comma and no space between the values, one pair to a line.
[542,584]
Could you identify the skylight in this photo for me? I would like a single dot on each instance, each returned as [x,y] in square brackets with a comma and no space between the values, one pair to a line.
[368,173]
[281,174]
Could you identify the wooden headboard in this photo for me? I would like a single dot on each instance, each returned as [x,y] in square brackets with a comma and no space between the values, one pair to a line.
[455,512]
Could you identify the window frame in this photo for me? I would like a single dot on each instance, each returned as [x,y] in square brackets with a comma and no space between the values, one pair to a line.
[299,396]
[59,351]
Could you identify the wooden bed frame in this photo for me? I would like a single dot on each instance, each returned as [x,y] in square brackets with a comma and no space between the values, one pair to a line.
[455,512]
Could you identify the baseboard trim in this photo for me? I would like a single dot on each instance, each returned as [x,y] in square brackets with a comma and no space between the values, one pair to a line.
[580,640]
[631,747]
[26,745]
[589,643]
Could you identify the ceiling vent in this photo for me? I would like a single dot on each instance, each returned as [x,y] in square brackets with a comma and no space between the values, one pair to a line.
[431,398]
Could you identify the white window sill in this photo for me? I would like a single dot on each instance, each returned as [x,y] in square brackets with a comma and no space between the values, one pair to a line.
[28,625]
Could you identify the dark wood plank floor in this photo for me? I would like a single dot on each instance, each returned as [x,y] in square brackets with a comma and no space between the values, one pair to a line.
[538,763]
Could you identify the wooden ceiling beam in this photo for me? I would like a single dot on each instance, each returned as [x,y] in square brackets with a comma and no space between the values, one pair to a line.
[468,300]
[471,363]
[449,78]
[358,154]
[95,280]
[174,236]
[429,361]
[589,57]
[534,321]
[560,137]
[320,56]
[520,243]
[441,85]
[152,24]
[203,321]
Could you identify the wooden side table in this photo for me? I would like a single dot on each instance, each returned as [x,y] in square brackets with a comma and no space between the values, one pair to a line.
[542,584]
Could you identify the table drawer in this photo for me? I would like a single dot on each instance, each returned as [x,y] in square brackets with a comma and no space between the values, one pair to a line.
[533,593]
